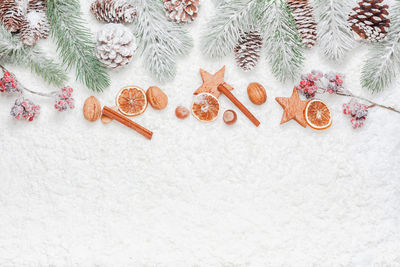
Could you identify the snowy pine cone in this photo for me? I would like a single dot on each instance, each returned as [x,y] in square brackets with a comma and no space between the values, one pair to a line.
[247,51]
[113,11]
[35,25]
[370,20]
[305,21]
[11,15]
[182,11]
[115,45]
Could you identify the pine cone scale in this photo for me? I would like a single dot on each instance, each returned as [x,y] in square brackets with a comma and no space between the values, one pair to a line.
[305,21]
[370,20]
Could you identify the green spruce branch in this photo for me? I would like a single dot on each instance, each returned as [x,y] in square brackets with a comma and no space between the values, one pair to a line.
[12,50]
[74,42]
[283,44]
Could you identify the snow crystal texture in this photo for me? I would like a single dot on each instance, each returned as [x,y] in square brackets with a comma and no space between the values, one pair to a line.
[75,193]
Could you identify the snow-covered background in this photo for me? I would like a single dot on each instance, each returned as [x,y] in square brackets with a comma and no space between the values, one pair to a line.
[75,193]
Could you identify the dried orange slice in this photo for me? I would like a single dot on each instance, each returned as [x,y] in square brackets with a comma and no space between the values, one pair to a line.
[205,107]
[131,101]
[317,115]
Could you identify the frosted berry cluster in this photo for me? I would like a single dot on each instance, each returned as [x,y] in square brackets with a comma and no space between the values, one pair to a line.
[309,83]
[64,100]
[9,84]
[335,82]
[357,111]
[25,109]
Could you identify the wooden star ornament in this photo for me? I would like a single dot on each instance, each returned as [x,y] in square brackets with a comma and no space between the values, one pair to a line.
[293,108]
[211,82]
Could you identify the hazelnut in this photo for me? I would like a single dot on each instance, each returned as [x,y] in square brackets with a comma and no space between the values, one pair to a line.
[181,112]
[229,117]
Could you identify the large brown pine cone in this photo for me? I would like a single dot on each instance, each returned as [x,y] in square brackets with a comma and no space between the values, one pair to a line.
[370,20]
[35,24]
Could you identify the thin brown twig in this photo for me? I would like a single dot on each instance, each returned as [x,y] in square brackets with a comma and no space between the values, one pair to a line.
[373,104]
[20,85]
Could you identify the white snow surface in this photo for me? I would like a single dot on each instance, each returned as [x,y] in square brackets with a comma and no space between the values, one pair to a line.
[75,193]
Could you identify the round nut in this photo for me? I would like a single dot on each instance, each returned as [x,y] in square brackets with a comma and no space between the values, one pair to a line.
[181,112]
[257,93]
[92,109]
[157,98]
[229,117]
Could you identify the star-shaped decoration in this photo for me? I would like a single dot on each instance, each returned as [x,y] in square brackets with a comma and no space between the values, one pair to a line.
[211,82]
[294,108]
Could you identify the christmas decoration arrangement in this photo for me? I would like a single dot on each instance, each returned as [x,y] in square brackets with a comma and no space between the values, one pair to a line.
[24,108]
[370,20]
[333,83]
[23,23]
[245,26]
[130,101]
[206,106]
[159,40]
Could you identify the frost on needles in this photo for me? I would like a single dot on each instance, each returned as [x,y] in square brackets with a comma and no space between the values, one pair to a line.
[160,41]
[12,50]
[383,60]
[282,43]
[334,35]
[75,44]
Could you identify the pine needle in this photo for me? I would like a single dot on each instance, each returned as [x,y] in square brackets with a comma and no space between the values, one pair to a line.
[334,35]
[224,28]
[14,51]
[160,41]
[74,42]
[383,63]
[283,44]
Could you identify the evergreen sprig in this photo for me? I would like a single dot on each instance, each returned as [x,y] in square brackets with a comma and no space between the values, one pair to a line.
[74,43]
[160,41]
[224,28]
[14,51]
[283,45]
[334,35]
[383,63]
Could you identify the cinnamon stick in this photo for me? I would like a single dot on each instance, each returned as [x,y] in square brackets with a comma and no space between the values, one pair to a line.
[127,122]
[222,88]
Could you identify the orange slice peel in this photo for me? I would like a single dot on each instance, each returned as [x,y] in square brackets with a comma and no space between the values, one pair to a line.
[205,107]
[131,101]
[318,115]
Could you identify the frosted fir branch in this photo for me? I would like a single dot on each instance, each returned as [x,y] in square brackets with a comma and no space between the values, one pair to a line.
[283,44]
[160,40]
[12,50]
[334,35]
[224,28]
[75,43]
[383,60]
